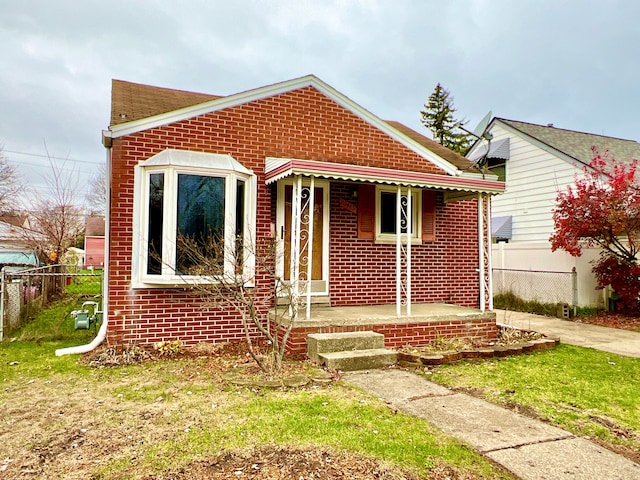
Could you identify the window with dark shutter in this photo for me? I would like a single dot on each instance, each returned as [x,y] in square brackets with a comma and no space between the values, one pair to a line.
[428,215]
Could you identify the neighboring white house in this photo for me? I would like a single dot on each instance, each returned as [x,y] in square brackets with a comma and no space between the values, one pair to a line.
[538,161]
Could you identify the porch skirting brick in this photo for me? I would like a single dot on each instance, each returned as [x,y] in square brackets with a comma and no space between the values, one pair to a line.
[404,332]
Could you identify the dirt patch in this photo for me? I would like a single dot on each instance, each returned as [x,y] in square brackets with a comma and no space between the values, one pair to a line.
[105,423]
[612,320]
[280,463]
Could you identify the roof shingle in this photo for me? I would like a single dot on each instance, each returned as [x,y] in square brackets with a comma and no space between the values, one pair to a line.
[134,101]
[578,145]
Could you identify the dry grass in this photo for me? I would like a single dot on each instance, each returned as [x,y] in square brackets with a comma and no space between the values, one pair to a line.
[178,418]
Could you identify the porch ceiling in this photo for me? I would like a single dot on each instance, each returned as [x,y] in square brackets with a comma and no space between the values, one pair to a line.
[279,168]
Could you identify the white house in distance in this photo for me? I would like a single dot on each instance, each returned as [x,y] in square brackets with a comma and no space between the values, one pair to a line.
[538,161]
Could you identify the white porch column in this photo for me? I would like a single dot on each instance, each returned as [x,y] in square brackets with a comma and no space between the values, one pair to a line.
[480,252]
[294,261]
[399,252]
[484,252]
[409,235]
[310,220]
[488,250]
[403,284]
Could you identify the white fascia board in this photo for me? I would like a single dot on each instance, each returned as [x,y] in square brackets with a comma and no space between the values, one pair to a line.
[277,89]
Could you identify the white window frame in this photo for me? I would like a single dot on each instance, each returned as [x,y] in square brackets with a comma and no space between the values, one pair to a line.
[173,163]
[416,213]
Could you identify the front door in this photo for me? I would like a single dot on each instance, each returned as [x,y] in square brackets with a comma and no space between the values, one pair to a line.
[314,251]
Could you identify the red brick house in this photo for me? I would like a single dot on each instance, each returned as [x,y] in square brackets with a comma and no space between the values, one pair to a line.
[249,165]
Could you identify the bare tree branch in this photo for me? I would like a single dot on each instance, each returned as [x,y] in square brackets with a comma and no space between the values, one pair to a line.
[10,185]
[232,289]
[97,196]
[57,217]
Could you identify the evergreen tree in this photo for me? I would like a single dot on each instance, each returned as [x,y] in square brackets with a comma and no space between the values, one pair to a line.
[438,117]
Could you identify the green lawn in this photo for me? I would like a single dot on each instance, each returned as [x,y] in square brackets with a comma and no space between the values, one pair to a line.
[585,391]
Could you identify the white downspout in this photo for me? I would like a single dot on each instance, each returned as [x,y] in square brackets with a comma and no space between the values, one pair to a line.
[102,332]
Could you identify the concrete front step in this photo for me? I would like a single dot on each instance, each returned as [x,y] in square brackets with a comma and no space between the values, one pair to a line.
[351,360]
[318,343]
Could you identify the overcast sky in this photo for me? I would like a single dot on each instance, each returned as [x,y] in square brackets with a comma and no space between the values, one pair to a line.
[573,63]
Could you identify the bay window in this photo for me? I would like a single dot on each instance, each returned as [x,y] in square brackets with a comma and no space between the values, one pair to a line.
[192,201]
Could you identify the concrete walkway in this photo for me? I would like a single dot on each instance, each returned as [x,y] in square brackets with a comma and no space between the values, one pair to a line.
[612,340]
[530,449]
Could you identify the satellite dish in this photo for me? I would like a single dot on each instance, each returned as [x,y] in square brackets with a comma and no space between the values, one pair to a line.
[480,130]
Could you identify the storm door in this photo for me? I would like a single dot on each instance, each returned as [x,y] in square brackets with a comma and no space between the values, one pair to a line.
[313,233]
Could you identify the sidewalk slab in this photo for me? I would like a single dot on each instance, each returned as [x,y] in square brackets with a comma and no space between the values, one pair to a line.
[570,459]
[530,449]
[483,425]
[394,386]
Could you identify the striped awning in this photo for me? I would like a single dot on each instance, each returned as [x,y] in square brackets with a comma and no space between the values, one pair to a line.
[279,168]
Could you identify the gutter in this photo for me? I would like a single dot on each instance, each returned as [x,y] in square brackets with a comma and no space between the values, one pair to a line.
[102,332]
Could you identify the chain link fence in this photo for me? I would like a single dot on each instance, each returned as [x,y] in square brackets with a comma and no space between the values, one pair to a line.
[23,293]
[537,286]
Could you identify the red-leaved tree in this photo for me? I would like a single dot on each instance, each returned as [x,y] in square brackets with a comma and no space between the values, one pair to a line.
[603,209]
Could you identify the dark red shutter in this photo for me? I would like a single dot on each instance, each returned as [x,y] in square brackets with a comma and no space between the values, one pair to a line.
[428,216]
[366,211]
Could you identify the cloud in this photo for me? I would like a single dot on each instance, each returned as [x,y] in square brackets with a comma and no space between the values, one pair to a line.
[571,63]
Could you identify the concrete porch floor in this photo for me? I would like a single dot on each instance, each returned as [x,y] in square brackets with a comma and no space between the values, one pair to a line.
[325,316]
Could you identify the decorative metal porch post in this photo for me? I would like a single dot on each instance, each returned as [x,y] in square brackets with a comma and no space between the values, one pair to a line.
[398,252]
[403,253]
[309,247]
[409,219]
[302,216]
[484,251]
[294,260]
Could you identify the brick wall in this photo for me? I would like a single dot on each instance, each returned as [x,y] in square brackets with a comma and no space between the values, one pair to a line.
[300,124]
[400,334]
[364,273]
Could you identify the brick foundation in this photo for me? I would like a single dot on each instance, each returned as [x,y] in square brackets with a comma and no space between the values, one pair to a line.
[397,335]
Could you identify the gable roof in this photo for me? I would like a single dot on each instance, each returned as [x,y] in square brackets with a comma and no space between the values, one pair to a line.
[18,220]
[576,145]
[147,107]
